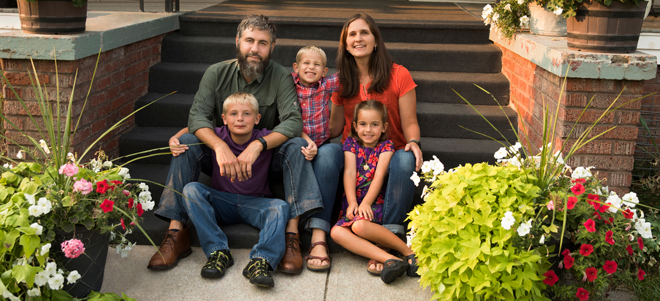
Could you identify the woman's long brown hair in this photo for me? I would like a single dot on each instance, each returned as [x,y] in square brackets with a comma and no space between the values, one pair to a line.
[380,62]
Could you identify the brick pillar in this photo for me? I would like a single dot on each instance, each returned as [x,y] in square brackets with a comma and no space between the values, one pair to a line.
[534,88]
[121,78]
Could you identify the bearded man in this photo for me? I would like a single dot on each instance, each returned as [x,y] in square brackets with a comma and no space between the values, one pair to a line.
[272,85]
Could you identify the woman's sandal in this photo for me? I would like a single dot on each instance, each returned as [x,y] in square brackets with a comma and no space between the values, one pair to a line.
[412,270]
[392,269]
[322,267]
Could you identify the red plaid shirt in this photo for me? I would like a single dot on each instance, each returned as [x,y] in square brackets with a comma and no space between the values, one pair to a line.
[314,102]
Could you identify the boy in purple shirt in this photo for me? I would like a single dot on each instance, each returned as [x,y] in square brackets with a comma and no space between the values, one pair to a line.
[229,202]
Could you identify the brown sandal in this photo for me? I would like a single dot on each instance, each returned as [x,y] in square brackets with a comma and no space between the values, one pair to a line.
[371,271]
[318,268]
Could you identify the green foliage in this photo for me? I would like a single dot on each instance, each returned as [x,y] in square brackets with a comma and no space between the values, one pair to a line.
[506,17]
[569,7]
[462,249]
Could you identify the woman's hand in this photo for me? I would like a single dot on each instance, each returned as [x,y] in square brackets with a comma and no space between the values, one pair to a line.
[351,211]
[176,147]
[364,210]
[419,160]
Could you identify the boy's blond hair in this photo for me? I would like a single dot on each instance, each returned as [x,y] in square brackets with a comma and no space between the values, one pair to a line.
[315,49]
[242,98]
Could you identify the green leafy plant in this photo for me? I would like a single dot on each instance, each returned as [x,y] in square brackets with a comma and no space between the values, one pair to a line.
[568,8]
[506,17]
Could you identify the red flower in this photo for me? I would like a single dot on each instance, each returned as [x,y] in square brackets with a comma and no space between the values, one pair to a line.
[550,278]
[116,182]
[123,226]
[629,249]
[593,197]
[568,261]
[581,181]
[107,205]
[590,225]
[596,205]
[604,208]
[102,186]
[586,249]
[628,214]
[640,275]
[582,294]
[598,215]
[640,242]
[577,189]
[566,252]
[139,209]
[130,203]
[592,274]
[608,237]
[571,202]
[610,266]
[611,219]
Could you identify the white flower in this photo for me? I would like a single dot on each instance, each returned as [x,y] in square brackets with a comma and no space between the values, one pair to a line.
[124,173]
[123,250]
[520,2]
[424,191]
[9,296]
[507,7]
[143,186]
[630,199]
[107,164]
[34,292]
[7,165]
[581,173]
[501,153]
[96,165]
[415,178]
[524,228]
[35,210]
[495,17]
[44,146]
[486,12]
[144,197]
[51,268]
[112,235]
[70,157]
[645,231]
[560,160]
[515,162]
[56,282]
[558,11]
[524,20]
[41,278]
[615,203]
[542,241]
[19,154]
[426,167]
[45,249]
[45,205]
[437,167]
[73,277]
[146,206]
[38,227]
[30,198]
[508,220]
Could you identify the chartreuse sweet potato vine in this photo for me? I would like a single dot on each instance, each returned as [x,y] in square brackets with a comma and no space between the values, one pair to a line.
[462,249]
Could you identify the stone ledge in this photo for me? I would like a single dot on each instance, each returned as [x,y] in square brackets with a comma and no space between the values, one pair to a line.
[105,30]
[552,54]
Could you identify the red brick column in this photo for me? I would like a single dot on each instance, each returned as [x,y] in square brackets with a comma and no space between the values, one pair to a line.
[121,78]
[533,88]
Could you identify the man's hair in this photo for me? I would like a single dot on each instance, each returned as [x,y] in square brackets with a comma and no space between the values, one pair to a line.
[241,98]
[314,49]
[259,22]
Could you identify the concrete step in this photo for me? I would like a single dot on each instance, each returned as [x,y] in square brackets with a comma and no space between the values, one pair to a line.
[440,120]
[482,58]
[431,86]
[168,110]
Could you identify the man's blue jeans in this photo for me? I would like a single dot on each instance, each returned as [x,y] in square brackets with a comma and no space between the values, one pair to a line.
[400,191]
[328,169]
[300,186]
[209,208]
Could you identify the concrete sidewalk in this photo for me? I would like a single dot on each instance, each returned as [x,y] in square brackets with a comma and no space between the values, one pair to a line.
[347,280]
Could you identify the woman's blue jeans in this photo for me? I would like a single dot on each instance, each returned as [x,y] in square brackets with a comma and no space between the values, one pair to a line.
[400,191]
[209,208]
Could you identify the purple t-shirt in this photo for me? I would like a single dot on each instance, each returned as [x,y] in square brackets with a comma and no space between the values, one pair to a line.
[255,186]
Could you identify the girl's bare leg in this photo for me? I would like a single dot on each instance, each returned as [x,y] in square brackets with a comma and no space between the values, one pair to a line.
[380,235]
[358,245]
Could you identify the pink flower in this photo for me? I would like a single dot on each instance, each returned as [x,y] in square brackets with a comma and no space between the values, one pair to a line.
[571,202]
[83,186]
[582,294]
[577,189]
[550,278]
[73,248]
[610,266]
[608,237]
[551,205]
[125,192]
[590,225]
[107,205]
[69,170]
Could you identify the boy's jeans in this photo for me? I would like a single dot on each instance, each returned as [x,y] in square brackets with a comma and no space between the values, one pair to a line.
[300,185]
[209,208]
[328,169]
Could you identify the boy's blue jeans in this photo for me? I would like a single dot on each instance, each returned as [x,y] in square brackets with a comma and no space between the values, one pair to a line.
[300,186]
[209,208]
[328,169]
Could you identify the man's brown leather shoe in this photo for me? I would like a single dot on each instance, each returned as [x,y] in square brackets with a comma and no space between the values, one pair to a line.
[292,262]
[175,246]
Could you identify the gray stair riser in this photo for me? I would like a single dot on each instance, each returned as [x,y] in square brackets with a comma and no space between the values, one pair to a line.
[448,126]
[482,58]
[474,33]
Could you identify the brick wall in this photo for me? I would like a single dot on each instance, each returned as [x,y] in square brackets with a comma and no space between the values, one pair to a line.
[651,113]
[533,88]
[121,78]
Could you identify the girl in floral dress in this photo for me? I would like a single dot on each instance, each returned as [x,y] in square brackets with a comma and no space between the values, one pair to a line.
[367,155]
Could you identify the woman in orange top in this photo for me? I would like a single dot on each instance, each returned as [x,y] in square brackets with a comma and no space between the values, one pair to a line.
[366,71]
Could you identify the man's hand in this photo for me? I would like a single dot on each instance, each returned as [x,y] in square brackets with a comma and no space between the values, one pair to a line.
[310,151]
[247,158]
[228,163]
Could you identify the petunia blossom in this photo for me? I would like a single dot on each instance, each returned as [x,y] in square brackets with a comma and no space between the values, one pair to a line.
[568,261]
[577,189]
[640,243]
[592,274]
[629,249]
[628,214]
[550,278]
[582,294]
[102,186]
[571,202]
[586,249]
[610,266]
[107,205]
[139,209]
[590,225]
[608,237]
[640,274]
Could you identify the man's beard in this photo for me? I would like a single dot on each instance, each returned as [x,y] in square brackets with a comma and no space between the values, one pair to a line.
[252,70]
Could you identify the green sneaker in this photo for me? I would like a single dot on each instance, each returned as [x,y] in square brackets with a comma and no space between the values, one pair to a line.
[258,272]
[217,263]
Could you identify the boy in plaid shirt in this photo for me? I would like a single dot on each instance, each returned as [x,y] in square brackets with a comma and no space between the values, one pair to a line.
[314,91]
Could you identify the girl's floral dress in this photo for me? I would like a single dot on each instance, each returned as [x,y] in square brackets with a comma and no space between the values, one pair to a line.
[366,161]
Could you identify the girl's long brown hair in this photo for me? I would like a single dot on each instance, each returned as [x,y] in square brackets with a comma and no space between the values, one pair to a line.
[369,105]
[380,62]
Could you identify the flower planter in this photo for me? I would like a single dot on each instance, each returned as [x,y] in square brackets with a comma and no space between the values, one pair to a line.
[600,28]
[90,264]
[544,22]
[52,17]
